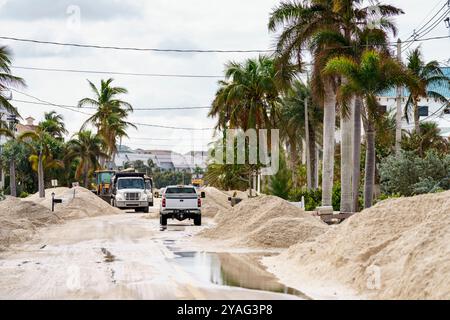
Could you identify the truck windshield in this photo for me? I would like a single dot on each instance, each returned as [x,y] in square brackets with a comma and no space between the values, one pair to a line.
[180,190]
[130,184]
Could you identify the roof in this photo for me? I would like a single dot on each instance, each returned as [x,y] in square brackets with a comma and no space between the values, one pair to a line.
[442,88]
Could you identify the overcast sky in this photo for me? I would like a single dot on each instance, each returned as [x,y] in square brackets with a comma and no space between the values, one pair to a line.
[193,24]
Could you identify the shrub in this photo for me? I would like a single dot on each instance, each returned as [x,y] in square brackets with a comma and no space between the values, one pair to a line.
[407,174]
[24,194]
[313,198]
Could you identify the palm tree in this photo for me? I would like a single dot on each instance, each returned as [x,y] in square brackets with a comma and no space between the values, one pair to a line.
[7,80]
[292,126]
[41,159]
[109,117]
[328,28]
[87,148]
[248,97]
[429,139]
[368,78]
[430,76]
[53,123]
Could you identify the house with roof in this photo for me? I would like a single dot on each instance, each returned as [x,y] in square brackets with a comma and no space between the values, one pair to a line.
[430,109]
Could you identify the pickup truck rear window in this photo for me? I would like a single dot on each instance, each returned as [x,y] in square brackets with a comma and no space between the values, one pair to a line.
[181,190]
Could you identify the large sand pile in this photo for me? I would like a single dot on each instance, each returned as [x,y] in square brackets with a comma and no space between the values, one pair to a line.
[20,218]
[214,202]
[399,249]
[265,221]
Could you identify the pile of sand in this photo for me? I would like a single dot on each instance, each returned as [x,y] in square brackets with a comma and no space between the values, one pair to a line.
[265,221]
[214,202]
[20,218]
[399,249]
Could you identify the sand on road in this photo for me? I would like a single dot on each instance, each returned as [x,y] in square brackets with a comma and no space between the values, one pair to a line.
[107,257]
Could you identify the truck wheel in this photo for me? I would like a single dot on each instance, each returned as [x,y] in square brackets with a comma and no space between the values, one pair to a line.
[113,203]
[146,210]
[163,220]
[198,220]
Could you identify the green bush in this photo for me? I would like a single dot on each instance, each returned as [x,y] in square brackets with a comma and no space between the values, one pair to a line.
[24,194]
[313,198]
[407,174]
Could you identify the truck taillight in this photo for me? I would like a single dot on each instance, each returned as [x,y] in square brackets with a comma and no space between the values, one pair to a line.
[163,202]
[199,202]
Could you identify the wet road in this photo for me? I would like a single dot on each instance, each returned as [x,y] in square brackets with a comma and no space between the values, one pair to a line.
[116,257]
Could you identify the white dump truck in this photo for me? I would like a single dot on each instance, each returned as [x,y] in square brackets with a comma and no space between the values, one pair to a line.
[129,192]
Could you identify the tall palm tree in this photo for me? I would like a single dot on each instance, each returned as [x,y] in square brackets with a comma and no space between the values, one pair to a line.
[292,125]
[249,96]
[374,73]
[53,123]
[41,159]
[330,26]
[87,148]
[431,77]
[7,80]
[109,119]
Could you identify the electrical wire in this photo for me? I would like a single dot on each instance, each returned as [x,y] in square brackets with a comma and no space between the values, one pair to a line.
[78,45]
[93,108]
[90,114]
[120,73]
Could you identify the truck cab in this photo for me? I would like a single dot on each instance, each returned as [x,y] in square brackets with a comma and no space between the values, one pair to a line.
[129,192]
[181,202]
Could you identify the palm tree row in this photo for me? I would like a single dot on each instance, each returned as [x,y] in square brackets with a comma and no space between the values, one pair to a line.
[351,67]
[84,149]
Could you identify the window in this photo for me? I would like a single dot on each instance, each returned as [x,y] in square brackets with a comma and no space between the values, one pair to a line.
[180,190]
[130,183]
[423,111]
[447,109]
[382,109]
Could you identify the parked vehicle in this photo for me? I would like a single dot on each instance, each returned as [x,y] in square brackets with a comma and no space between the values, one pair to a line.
[149,190]
[181,203]
[103,183]
[129,192]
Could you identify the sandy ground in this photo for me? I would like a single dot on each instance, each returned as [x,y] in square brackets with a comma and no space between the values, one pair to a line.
[109,257]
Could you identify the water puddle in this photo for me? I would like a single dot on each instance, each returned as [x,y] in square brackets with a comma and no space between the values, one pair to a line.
[235,270]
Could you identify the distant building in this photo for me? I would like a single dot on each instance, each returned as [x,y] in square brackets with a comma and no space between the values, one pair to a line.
[28,126]
[165,160]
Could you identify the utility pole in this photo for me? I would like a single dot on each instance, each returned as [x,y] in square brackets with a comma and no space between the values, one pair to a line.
[308,154]
[398,118]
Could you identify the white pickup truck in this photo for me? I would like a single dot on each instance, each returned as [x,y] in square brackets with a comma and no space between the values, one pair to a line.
[181,203]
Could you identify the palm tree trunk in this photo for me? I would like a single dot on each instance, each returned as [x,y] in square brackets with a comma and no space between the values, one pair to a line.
[312,157]
[41,176]
[416,117]
[346,162]
[329,127]
[294,162]
[12,177]
[86,175]
[356,153]
[369,179]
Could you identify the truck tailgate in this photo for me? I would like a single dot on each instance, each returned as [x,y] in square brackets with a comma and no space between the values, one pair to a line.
[181,201]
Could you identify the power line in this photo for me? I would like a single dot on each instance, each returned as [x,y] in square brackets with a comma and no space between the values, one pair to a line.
[177,50]
[120,73]
[421,32]
[93,108]
[78,45]
[90,114]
